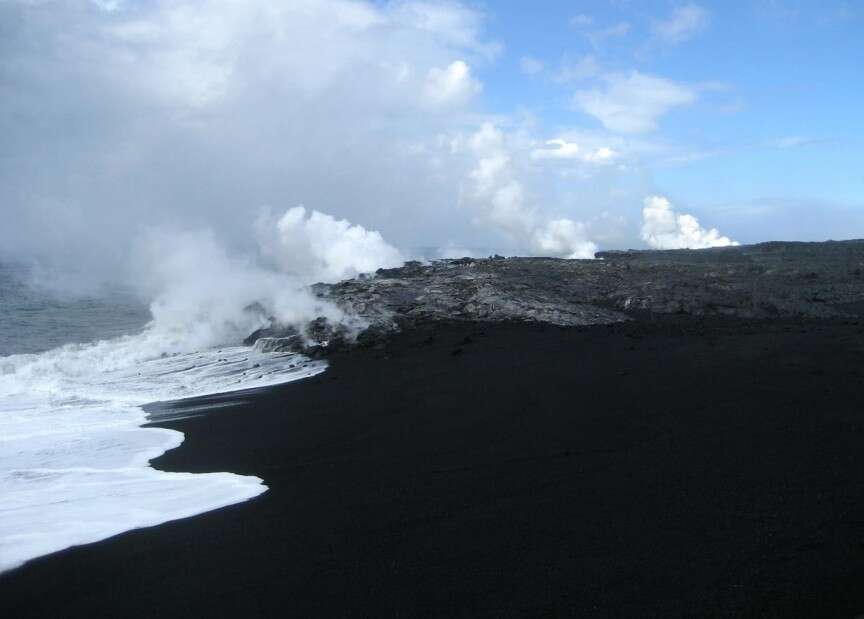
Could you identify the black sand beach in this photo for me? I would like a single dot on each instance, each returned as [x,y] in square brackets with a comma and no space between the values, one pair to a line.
[654,469]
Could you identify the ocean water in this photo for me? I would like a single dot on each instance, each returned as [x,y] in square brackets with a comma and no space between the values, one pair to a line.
[74,457]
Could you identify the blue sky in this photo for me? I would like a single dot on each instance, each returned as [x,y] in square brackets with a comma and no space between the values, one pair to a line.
[553,128]
[779,86]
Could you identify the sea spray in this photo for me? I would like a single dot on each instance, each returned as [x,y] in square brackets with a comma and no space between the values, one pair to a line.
[74,457]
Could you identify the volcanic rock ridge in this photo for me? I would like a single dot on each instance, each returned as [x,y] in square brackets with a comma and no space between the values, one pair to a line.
[775,279]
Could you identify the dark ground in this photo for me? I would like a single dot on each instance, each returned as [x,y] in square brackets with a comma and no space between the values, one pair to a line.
[643,470]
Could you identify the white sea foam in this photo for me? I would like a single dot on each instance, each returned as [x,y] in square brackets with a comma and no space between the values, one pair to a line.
[74,459]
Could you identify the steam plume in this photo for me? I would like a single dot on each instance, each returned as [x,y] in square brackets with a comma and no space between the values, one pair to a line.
[501,199]
[663,228]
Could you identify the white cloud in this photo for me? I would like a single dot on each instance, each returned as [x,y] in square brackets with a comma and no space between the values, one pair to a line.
[580,21]
[503,202]
[562,149]
[194,55]
[603,154]
[451,86]
[494,187]
[200,111]
[663,228]
[633,102]
[685,22]
[530,66]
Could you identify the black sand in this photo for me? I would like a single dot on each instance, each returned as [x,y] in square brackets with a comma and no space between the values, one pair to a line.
[665,469]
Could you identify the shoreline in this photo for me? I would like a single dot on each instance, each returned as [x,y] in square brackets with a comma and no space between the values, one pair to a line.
[672,468]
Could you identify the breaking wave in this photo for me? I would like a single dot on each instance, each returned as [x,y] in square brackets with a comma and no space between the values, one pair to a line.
[74,457]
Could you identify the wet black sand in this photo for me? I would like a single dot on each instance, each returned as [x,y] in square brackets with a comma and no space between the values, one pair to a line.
[680,468]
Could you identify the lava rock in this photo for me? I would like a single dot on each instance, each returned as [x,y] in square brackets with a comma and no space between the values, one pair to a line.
[768,280]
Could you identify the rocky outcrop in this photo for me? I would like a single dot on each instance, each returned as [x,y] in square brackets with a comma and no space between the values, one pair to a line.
[765,280]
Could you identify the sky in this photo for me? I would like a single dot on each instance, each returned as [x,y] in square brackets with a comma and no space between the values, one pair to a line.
[340,134]
[768,146]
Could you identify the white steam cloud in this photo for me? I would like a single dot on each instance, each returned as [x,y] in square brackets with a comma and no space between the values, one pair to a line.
[564,238]
[502,201]
[663,228]
[202,295]
[319,247]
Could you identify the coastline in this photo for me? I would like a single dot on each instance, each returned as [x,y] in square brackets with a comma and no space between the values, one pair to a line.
[678,467]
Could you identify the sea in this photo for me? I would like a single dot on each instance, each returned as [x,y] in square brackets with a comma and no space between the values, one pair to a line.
[75,371]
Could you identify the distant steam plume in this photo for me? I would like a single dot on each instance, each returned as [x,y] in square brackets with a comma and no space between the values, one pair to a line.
[663,228]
